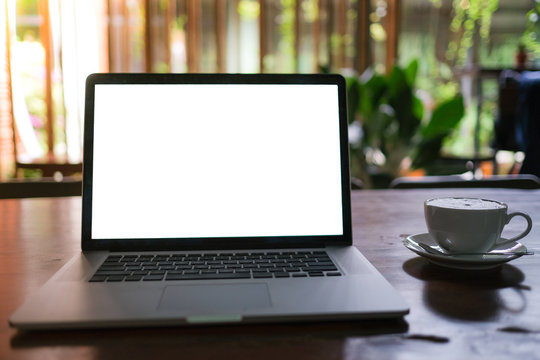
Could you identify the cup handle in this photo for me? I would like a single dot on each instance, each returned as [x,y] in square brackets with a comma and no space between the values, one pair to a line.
[523,234]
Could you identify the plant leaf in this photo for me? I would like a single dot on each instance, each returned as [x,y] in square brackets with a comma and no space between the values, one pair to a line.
[372,94]
[397,82]
[445,117]
[418,108]
[427,151]
[410,72]
[405,104]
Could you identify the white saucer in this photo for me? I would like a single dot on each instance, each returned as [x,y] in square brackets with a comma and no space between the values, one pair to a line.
[464,262]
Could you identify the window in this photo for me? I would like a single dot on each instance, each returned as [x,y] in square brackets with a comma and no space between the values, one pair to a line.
[56,44]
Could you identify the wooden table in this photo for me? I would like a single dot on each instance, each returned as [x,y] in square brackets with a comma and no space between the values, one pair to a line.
[454,315]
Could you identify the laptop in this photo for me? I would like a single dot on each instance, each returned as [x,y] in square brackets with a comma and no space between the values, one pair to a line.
[211,199]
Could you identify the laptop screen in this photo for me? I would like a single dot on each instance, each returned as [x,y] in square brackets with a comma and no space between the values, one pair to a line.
[215,160]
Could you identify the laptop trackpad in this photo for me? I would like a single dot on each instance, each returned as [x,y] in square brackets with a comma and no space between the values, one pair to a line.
[214,299]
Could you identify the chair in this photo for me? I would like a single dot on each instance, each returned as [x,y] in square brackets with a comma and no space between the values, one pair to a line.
[42,187]
[521,181]
[505,122]
[48,168]
[507,105]
[516,125]
[528,130]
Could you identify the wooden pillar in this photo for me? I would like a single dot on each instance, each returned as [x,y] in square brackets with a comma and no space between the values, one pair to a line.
[193,35]
[170,17]
[221,31]
[341,31]
[329,31]
[110,35]
[263,41]
[363,52]
[148,36]
[316,37]
[126,34]
[297,34]
[392,33]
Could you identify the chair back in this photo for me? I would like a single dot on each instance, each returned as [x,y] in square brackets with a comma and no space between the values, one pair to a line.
[521,181]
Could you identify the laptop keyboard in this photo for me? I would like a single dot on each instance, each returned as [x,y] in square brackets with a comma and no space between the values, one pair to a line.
[211,266]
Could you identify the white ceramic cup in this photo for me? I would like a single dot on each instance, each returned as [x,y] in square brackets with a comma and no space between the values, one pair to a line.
[470,225]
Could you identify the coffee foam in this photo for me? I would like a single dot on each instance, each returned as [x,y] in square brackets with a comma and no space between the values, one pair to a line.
[465,204]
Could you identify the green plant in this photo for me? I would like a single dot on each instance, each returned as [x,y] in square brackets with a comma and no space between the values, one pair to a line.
[530,38]
[470,16]
[394,124]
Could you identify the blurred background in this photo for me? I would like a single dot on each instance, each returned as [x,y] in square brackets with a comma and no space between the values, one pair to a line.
[434,85]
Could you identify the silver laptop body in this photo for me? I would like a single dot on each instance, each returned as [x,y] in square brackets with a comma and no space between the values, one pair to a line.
[213,198]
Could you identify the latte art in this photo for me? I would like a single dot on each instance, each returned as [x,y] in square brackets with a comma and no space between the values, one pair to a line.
[465,204]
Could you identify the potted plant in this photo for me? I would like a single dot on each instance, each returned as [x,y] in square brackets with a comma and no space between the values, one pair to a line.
[391,125]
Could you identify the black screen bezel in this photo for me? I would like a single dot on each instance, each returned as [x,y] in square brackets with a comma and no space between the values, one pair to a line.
[211,243]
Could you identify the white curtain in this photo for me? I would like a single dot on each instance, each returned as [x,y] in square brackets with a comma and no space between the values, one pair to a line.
[32,148]
[78,30]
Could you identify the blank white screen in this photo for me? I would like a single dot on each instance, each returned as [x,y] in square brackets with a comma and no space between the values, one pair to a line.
[182,161]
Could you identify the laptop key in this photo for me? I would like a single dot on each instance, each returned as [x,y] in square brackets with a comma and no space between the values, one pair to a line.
[336,273]
[108,267]
[155,267]
[133,268]
[153,278]
[262,275]
[320,263]
[217,267]
[184,267]
[98,278]
[258,271]
[115,278]
[140,272]
[208,271]
[319,268]
[133,278]
[225,271]
[113,273]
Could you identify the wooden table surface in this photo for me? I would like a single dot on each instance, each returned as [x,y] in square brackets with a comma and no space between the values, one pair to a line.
[454,315]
